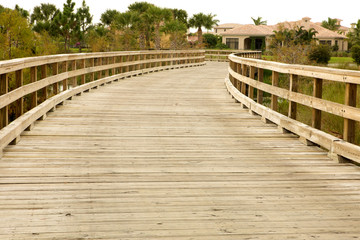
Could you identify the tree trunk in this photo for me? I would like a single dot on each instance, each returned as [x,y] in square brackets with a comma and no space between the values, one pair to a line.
[200,39]
[157,37]
[142,41]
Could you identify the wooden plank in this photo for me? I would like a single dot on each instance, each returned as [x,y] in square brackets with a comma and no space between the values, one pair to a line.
[4,112]
[349,124]
[316,114]
[43,92]
[152,158]
[34,95]
[19,104]
[274,98]
[293,88]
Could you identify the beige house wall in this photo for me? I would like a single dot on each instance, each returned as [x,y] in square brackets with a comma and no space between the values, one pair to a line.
[343,44]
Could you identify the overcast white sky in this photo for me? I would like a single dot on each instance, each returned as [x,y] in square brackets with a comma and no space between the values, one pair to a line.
[228,11]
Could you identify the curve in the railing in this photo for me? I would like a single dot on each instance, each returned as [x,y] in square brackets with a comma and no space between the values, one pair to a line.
[31,87]
[223,55]
[246,84]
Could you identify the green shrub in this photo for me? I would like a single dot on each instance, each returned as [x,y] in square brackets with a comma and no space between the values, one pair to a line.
[355,53]
[320,54]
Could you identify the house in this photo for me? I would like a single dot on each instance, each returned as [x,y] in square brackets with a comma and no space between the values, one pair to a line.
[246,37]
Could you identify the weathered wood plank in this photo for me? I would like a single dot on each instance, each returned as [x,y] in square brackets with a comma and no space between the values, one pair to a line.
[169,155]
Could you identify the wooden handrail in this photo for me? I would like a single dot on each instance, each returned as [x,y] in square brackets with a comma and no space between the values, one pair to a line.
[222,55]
[48,81]
[246,76]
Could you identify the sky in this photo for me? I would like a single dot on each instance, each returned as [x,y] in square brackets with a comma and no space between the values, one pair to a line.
[227,11]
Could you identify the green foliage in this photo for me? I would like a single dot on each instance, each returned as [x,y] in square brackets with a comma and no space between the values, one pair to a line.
[330,24]
[83,19]
[320,54]
[355,52]
[16,37]
[258,21]
[66,23]
[354,35]
[210,40]
[177,31]
[109,16]
[202,20]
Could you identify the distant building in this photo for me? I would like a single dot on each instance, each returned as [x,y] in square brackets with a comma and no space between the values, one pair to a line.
[246,37]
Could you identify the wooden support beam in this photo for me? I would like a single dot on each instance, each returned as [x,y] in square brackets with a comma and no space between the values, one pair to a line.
[316,114]
[350,100]
[82,77]
[19,104]
[293,88]
[55,71]
[4,112]
[243,72]
[73,68]
[33,96]
[43,91]
[65,81]
[274,98]
[251,89]
[260,93]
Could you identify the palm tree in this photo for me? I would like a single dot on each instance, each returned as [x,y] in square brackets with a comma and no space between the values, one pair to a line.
[145,24]
[258,21]
[177,30]
[330,24]
[126,22]
[201,20]
[159,16]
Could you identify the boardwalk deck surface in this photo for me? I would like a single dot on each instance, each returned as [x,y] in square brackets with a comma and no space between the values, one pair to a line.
[170,155]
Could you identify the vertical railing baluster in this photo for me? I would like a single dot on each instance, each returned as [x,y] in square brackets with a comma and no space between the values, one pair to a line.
[350,100]
[4,112]
[316,114]
[293,88]
[274,98]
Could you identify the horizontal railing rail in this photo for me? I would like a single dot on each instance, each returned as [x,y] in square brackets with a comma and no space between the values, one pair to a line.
[31,87]
[246,84]
[222,55]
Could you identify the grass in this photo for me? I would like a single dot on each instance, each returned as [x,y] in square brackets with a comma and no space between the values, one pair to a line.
[341,60]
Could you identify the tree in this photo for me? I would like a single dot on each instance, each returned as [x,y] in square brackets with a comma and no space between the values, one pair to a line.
[24,13]
[177,31]
[180,15]
[211,40]
[201,20]
[145,24]
[109,16]
[330,24]
[84,19]
[159,16]
[126,22]
[320,54]
[355,53]
[258,21]
[16,37]
[354,35]
[66,23]
[42,18]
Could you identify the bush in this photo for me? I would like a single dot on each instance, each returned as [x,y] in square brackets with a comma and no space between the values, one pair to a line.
[355,53]
[320,54]
[210,40]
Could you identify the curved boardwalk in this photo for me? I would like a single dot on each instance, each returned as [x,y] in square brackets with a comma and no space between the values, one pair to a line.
[170,155]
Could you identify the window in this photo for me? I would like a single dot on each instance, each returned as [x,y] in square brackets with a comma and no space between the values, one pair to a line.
[325,42]
[232,43]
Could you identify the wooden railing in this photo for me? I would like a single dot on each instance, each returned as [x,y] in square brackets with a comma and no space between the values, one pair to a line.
[247,86]
[31,87]
[222,55]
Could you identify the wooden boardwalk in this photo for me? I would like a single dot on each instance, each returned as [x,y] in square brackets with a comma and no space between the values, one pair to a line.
[170,155]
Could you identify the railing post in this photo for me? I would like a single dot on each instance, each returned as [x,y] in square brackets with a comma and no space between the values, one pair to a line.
[82,65]
[350,100]
[316,114]
[33,96]
[19,81]
[293,88]
[73,68]
[243,84]
[92,74]
[251,88]
[65,81]
[260,93]
[55,71]
[274,98]
[4,88]
[44,94]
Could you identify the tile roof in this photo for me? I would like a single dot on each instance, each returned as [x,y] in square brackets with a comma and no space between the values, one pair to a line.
[268,30]
[228,25]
